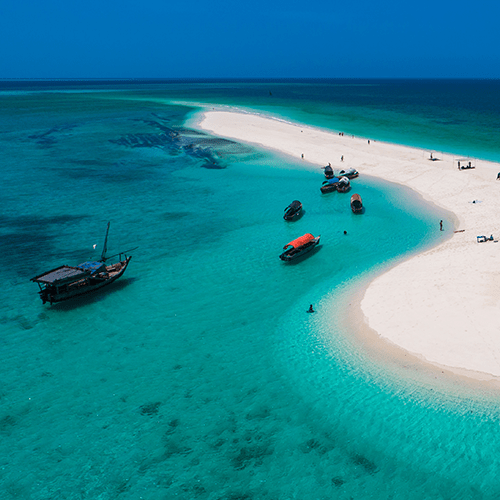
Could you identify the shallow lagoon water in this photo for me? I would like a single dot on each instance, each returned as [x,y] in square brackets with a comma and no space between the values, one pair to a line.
[199,374]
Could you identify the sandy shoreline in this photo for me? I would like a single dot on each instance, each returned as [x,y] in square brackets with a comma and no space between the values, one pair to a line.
[442,305]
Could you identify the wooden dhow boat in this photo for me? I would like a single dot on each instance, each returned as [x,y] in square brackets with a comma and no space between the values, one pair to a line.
[356,203]
[66,282]
[299,247]
[293,211]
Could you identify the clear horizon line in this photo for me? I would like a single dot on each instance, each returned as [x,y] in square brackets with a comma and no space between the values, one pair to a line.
[307,78]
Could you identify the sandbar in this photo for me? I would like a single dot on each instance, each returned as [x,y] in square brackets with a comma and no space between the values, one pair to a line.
[442,305]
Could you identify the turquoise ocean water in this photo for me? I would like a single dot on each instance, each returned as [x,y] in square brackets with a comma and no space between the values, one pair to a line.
[199,375]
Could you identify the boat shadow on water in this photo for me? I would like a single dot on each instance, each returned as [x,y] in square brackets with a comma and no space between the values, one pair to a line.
[94,296]
[306,256]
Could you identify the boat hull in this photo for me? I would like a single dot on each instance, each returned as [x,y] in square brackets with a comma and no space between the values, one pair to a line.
[293,216]
[344,185]
[82,287]
[329,188]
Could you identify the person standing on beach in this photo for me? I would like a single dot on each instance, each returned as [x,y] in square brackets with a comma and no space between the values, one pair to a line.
[342,158]
[440,225]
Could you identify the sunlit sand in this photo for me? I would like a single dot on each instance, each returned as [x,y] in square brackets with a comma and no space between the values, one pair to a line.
[442,305]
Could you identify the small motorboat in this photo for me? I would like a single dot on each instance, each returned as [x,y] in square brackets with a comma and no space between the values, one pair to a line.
[356,203]
[299,247]
[344,185]
[350,173]
[329,171]
[293,211]
[330,185]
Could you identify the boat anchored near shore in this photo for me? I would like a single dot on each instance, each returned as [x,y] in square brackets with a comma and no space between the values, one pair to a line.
[344,185]
[293,211]
[330,185]
[356,203]
[66,282]
[300,246]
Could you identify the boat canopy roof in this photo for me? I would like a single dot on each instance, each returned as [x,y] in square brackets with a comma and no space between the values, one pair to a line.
[91,267]
[356,201]
[294,204]
[333,180]
[308,237]
[69,274]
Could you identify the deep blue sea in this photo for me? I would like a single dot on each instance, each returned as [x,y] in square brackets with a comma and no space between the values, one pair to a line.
[199,374]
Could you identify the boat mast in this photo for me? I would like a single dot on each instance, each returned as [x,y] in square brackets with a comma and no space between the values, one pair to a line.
[105,248]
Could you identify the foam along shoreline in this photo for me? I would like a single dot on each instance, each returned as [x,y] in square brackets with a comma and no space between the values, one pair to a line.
[442,305]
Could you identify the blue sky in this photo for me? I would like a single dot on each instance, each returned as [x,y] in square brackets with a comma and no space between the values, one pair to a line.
[222,38]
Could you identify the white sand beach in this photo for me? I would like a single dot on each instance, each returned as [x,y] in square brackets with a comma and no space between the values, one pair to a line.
[442,305]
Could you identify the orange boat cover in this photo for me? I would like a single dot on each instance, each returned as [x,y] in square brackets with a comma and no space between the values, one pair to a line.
[300,241]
